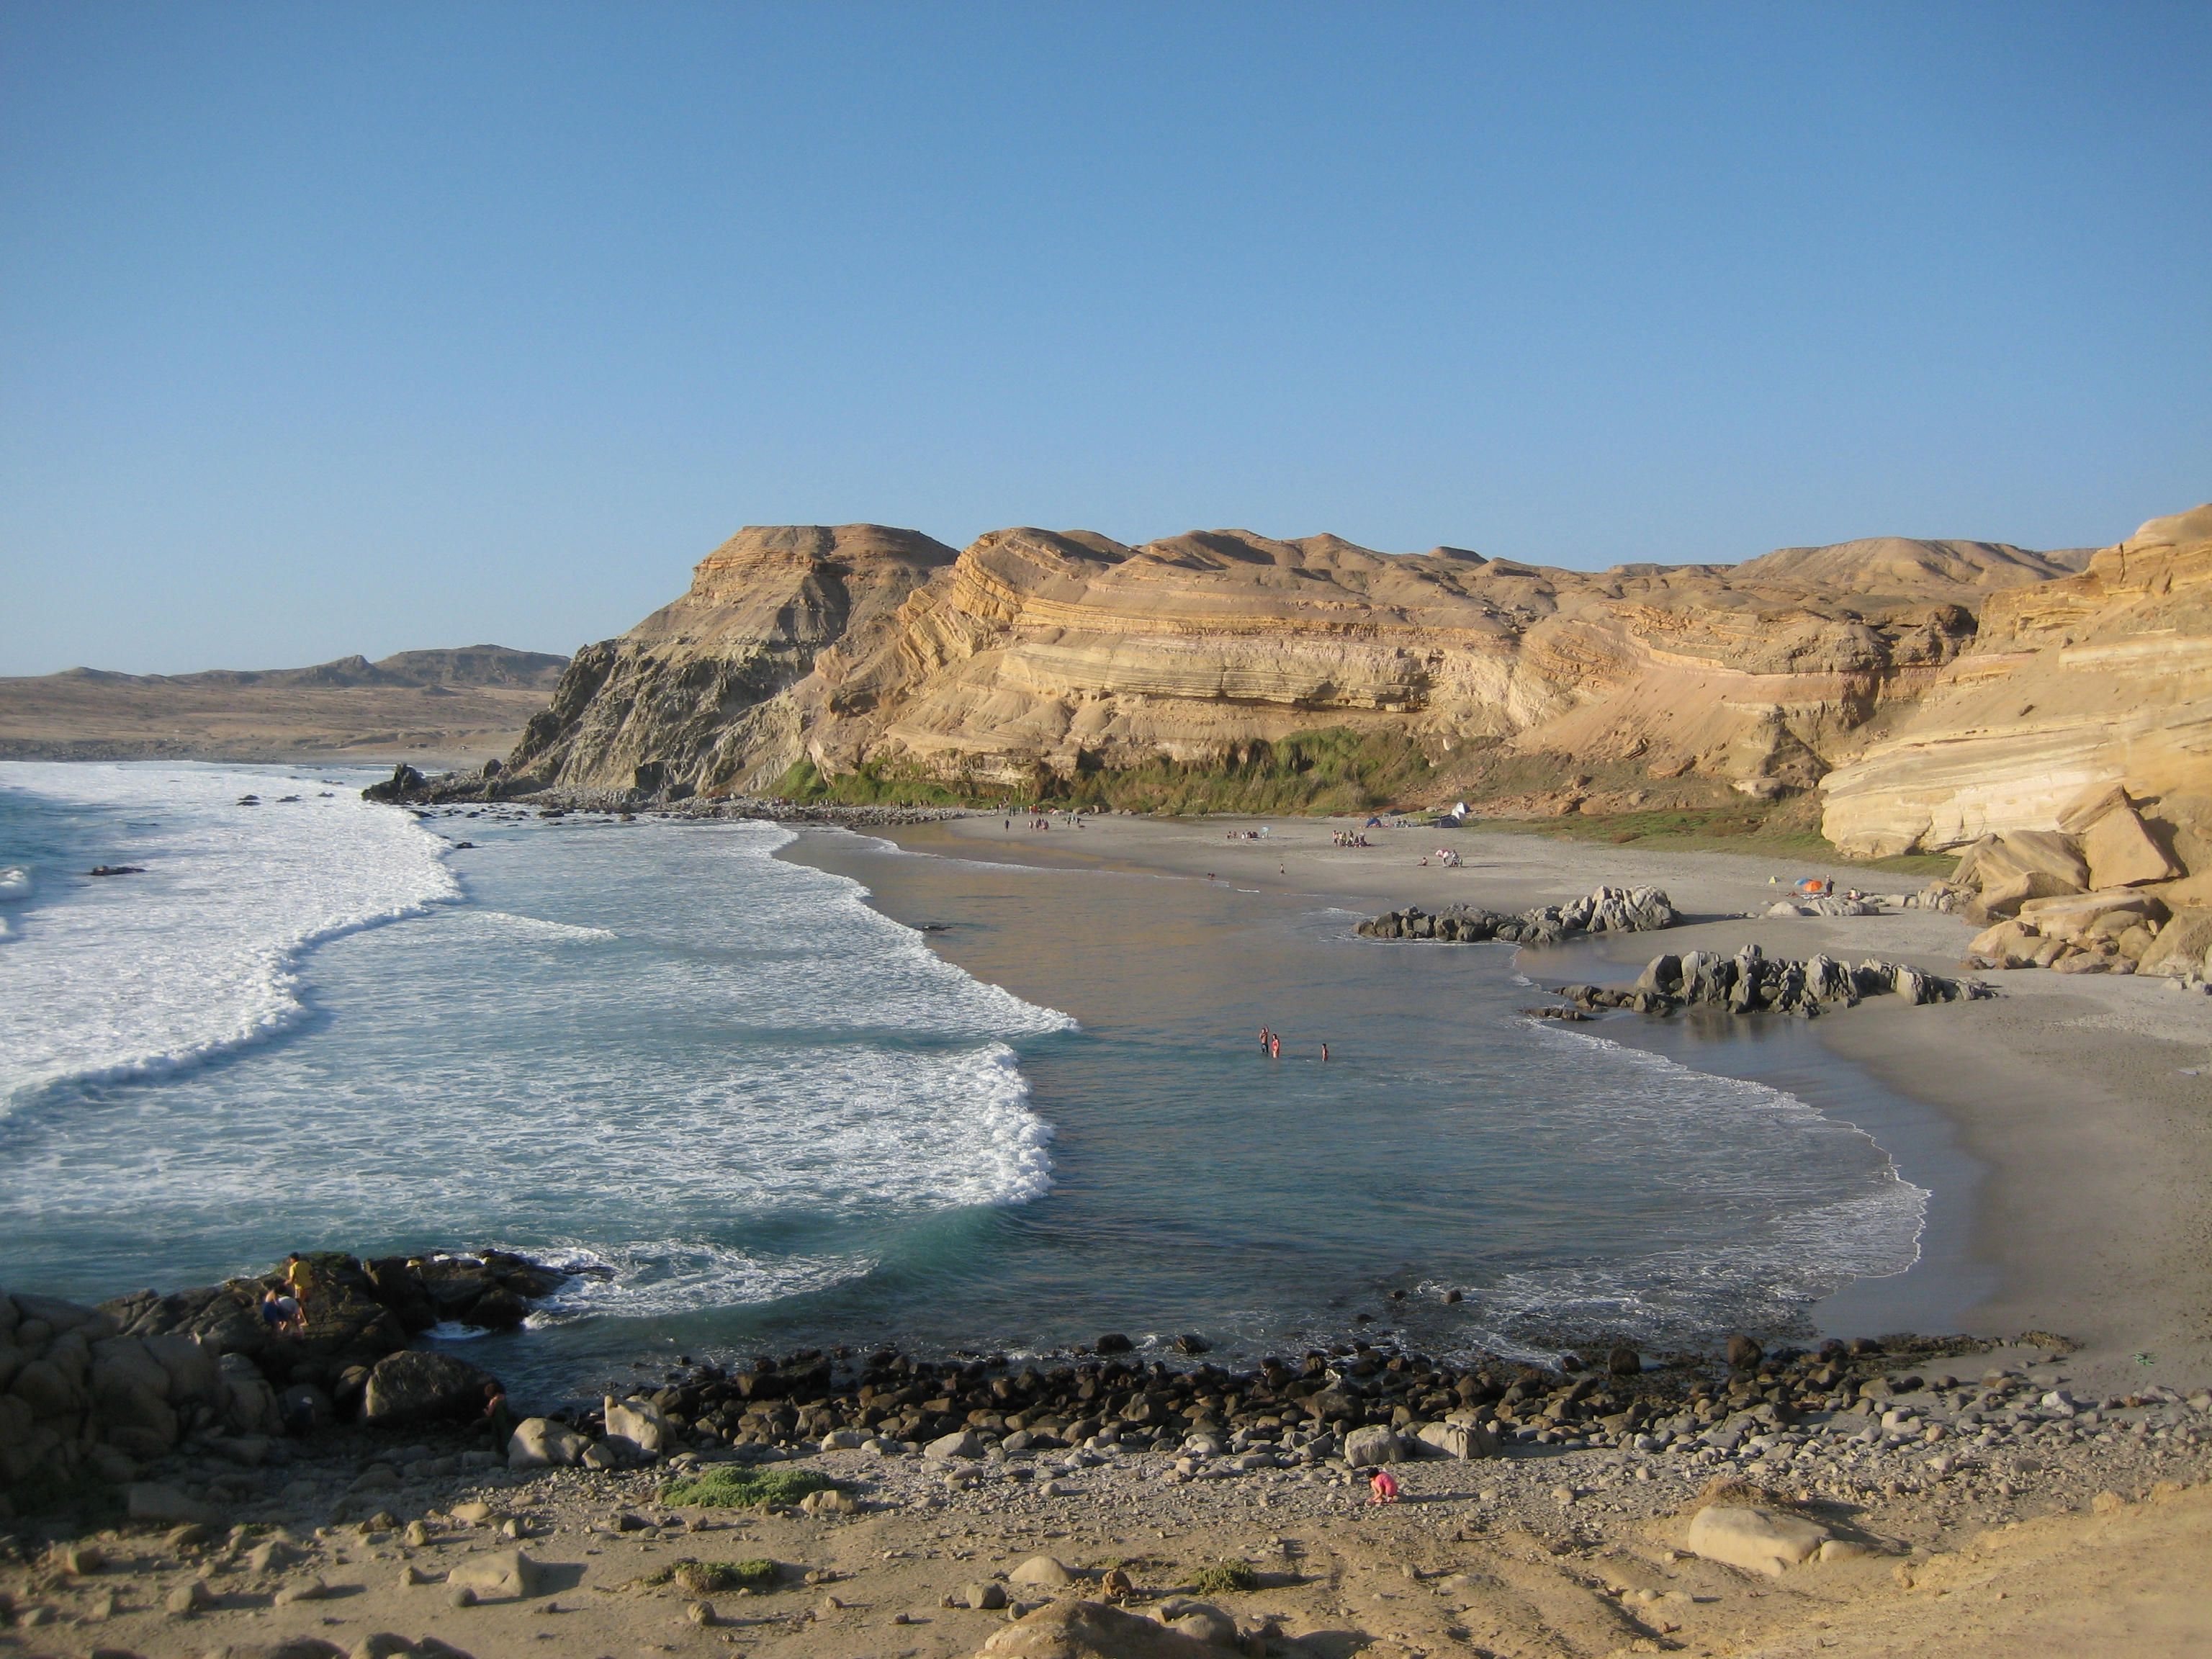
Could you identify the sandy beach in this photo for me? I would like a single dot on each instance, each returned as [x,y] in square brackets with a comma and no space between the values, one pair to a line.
[2078,1096]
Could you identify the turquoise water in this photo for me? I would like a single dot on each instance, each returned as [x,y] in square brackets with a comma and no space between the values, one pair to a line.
[695,1055]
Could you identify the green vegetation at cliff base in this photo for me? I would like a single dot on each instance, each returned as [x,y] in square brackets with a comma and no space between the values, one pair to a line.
[1335,770]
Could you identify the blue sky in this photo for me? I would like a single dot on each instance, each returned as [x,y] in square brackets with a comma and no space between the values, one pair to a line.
[330,328]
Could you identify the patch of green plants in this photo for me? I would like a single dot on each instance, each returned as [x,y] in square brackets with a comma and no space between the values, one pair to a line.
[1223,1577]
[875,784]
[718,1578]
[727,1486]
[1335,770]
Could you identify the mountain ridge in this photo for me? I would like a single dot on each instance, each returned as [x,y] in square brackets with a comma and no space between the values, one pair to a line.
[1034,657]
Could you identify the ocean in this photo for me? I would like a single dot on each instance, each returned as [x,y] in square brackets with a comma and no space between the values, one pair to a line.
[719,1070]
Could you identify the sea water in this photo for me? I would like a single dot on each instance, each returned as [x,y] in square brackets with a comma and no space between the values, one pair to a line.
[754,1111]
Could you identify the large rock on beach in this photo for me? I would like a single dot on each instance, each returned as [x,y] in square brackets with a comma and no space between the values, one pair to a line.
[414,1387]
[504,1572]
[1366,1447]
[2181,947]
[1092,1629]
[961,1442]
[540,1442]
[1462,1440]
[2121,852]
[636,1428]
[1756,1540]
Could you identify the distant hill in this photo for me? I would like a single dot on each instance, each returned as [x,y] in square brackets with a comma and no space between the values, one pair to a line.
[456,705]
[1900,565]
[457,666]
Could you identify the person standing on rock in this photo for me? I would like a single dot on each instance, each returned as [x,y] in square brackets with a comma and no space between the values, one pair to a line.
[297,1277]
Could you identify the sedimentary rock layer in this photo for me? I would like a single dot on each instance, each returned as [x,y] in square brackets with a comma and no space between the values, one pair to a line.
[2098,679]
[1936,689]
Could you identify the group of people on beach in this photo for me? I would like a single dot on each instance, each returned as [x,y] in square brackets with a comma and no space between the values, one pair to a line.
[1271,1044]
[1443,856]
[1350,838]
[1075,822]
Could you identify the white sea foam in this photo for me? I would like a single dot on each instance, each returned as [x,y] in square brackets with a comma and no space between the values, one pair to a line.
[536,928]
[15,888]
[654,1278]
[146,973]
[725,1096]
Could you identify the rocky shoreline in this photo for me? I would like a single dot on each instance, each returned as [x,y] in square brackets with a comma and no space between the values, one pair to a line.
[1790,1461]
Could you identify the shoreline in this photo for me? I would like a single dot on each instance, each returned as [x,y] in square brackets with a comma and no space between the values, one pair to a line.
[2068,1090]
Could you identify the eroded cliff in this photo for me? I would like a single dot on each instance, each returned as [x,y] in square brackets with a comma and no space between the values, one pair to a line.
[1873,668]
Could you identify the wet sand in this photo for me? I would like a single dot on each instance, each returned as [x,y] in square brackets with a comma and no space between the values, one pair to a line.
[2073,1148]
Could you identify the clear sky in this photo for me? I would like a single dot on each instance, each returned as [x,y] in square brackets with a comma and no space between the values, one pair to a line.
[331,328]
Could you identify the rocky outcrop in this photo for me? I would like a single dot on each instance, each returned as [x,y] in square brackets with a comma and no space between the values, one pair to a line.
[1036,653]
[2071,687]
[784,626]
[1608,910]
[1750,982]
[96,1391]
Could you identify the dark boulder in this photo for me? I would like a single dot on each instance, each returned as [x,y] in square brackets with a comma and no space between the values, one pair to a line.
[403,780]
[415,1387]
[393,1282]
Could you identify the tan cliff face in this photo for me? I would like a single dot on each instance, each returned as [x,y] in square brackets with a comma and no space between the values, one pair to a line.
[1039,649]
[2100,677]
[700,689]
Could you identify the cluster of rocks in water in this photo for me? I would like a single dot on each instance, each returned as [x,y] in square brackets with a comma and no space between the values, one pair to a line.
[97,1392]
[1607,910]
[1752,983]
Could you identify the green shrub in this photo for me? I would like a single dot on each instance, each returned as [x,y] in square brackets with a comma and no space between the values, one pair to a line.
[1335,770]
[726,1486]
[1224,1577]
[713,1578]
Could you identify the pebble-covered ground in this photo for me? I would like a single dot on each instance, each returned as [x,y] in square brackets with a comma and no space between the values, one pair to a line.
[1541,1550]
